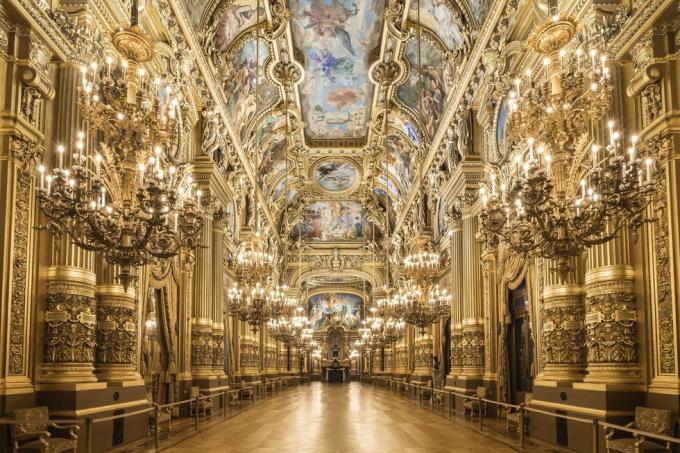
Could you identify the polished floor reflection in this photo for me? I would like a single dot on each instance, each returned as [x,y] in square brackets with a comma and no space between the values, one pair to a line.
[338,418]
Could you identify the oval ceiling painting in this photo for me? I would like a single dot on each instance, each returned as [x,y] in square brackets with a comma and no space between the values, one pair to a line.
[336,175]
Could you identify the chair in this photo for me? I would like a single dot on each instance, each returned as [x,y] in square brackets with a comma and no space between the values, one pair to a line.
[656,421]
[164,417]
[202,405]
[32,433]
[246,393]
[512,417]
[472,404]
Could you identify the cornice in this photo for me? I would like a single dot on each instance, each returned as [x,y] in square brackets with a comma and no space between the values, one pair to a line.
[39,20]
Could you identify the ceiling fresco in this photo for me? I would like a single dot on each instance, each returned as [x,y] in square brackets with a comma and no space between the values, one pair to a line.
[334,309]
[232,19]
[399,162]
[243,80]
[479,9]
[273,160]
[336,37]
[438,16]
[333,221]
[426,85]
[336,175]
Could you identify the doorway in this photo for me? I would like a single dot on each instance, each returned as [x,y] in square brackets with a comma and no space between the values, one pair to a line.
[520,344]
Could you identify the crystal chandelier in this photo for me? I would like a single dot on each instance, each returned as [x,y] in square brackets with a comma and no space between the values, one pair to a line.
[420,301]
[257,298]
[127,198]
[555,201]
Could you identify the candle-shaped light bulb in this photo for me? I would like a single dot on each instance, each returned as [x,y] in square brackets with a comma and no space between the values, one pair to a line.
[97,162]
[49,184]
[648,166]
[109,61]
[60,156]
[199,194]
[493,184]
[583,188]
[518,83]
[593,54]
[579,53]
[41,170]
[595,150]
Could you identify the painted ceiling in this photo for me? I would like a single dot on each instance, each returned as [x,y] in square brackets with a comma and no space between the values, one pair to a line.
[324,168]
[336,37]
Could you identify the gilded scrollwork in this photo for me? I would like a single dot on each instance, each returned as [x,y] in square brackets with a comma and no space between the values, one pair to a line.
[563,333]
[611,323]
[201,348]
[70,322]
[26,153]
[456,349]
[472,348]
[116,332]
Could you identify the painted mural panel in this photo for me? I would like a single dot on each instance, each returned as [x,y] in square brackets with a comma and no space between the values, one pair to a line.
[195,9]
[336,221]
[241,84]
[336,175]
[238,16]
[438,17]
[336,36]
[398,162]
[407,128]
[273,160]
[334,309]
[479,9]
[429,90]
[384,182]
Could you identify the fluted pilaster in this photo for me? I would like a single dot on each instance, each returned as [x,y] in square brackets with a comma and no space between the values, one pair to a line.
[456,300]
[472,345]
[201,321]
[217,289]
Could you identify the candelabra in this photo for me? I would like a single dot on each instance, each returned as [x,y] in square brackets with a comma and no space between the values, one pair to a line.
[555,202]
[128,200]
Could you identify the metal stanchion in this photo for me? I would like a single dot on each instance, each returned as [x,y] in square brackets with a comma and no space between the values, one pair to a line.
[596,436]
[521,427]
[157,430]
[195,413]
[88,428]
[479,413]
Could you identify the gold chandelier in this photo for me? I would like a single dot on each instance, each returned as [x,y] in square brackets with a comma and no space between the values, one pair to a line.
[554,202]
[128,197]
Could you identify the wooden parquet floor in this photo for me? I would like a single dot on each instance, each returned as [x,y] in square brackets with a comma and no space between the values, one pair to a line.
[344,418]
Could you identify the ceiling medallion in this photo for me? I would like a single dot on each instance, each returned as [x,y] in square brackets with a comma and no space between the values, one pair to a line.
[336,175]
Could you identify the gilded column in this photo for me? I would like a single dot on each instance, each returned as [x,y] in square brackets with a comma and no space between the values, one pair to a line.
[401,358]
[456,298]
[562,329]
[491,314]
[71,308]
[117,330]
[201,320]
[472,346]
[422,357]
[611,314]
[217,289]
